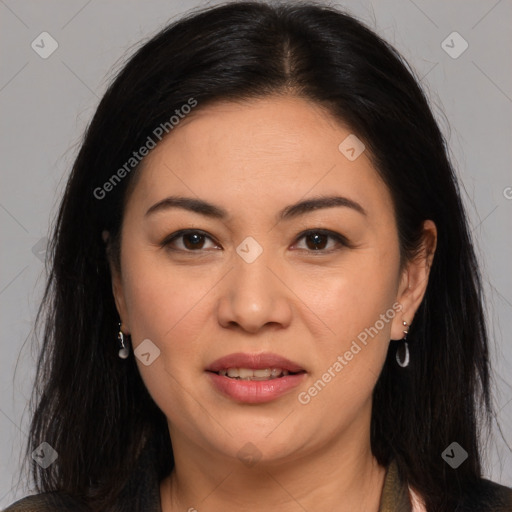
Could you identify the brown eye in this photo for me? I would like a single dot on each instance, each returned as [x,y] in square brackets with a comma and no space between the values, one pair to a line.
[187,241]
[318,240]
[193,241]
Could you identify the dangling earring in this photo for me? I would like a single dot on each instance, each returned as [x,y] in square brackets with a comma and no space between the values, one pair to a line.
[124,350]
[405,362]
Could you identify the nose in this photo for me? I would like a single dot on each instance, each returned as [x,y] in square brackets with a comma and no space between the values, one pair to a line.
[254,297]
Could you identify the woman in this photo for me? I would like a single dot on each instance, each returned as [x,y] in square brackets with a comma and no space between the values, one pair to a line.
[264,294]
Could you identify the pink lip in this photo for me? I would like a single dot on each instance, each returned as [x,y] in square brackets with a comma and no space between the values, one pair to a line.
[255,392]
[254,362]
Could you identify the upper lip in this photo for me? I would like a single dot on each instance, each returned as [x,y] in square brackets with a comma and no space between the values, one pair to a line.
[254,361]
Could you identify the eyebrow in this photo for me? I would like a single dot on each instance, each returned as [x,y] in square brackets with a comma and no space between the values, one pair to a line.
[292,211]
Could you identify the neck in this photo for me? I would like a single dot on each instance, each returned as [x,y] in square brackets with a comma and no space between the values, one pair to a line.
[341,475]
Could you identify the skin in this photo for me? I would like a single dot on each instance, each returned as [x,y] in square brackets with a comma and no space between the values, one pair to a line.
[253,159]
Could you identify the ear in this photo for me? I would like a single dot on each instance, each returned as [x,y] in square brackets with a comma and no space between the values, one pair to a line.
[117,284]
[414,280]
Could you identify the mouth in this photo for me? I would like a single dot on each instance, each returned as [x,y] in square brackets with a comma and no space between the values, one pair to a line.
[256,374]
[255,378]
[263,366]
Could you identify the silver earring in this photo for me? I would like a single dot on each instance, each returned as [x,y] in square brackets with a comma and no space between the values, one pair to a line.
[124,350]
[405,362]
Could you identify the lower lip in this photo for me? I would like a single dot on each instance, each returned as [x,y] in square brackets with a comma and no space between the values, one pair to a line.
[255,391]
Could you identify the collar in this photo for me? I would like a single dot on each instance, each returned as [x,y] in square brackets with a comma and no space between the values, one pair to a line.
[395,494]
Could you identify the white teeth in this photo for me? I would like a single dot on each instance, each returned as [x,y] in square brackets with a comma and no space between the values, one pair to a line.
[249,374]
[266,372]
[245,373]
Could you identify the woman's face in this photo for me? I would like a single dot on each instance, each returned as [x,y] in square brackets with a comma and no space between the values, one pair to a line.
[247,280]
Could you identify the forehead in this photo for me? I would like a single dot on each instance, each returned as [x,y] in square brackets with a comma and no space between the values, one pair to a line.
[277,130]
[259,152]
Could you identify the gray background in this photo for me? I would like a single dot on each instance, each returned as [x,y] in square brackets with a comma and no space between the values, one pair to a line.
[46,103]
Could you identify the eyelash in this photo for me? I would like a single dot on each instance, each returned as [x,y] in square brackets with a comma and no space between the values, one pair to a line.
[340,239]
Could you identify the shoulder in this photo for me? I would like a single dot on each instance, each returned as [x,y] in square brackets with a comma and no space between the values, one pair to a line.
[481,496]
[488,496]
[48,502]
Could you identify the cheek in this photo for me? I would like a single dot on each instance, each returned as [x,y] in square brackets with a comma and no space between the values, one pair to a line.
[162,300]
[167,307]
[351,297]
[356,302]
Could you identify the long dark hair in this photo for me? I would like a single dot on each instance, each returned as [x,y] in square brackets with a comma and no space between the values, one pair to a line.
[94,409]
